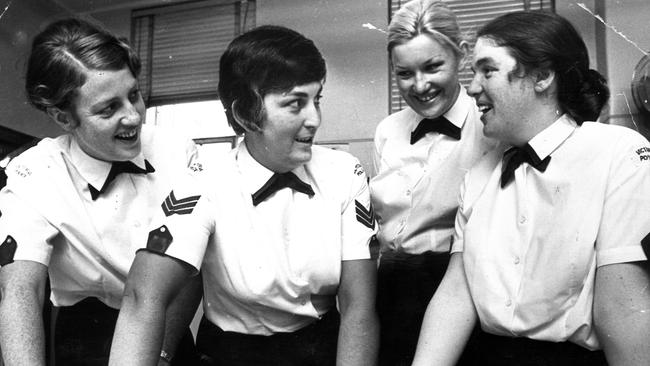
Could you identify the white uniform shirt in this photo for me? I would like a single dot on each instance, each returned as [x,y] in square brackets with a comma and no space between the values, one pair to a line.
[415,191]
[274,267]
[87,244]
[532,248]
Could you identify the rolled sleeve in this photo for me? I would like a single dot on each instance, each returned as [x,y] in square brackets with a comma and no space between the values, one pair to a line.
[358,220]
[625,220]
[25,226]
[182,225]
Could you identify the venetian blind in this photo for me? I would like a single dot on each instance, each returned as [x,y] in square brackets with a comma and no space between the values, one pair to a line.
[180,46]
[471,14]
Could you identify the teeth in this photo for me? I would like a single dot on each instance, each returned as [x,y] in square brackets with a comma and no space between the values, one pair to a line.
[483,108]
[306,139]
[426,98]
[127,134]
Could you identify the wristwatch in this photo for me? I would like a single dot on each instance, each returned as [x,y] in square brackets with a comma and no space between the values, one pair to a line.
[165,356]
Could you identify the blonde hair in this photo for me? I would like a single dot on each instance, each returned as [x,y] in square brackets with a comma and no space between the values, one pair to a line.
[430,17]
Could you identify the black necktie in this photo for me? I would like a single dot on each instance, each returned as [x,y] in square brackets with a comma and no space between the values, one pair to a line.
[117,168]
[515,156]
[279,181]
[439,124]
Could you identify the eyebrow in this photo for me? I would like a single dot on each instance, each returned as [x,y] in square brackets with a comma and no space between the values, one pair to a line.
[482,61]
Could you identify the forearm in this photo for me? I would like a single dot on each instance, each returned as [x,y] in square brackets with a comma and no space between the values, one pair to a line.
[448,321]
[180,314]
[22,338]
[358,338]
[139,333]
[621,313]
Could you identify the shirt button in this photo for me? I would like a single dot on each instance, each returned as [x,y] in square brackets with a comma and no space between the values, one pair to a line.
[516,260]
[522,220]
[136,224]
[508,303]
[304,302]
[408,192]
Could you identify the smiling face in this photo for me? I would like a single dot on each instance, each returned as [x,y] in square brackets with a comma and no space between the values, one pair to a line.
[106,115]
[427,75]
[290,124]
[504,98]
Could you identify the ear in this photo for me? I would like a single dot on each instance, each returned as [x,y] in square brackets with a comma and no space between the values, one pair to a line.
[464,58]
[543,80]
[64,119]
[244,123]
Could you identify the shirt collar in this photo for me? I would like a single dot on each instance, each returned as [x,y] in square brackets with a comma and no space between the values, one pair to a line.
[457,114]
[95,171]
[254,174]
[550,138]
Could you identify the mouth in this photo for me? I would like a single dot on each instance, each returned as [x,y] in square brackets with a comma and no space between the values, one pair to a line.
[305,140]
[127,136]
[483,107]
[425,98]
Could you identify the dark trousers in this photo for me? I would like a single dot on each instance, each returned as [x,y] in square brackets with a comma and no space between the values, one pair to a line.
[492,350]
[314,345]
[405,285]
[84,332]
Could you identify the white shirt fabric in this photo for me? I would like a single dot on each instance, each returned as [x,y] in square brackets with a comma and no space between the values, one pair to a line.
[415,191]
[87,244]
[532,248]
[274,267]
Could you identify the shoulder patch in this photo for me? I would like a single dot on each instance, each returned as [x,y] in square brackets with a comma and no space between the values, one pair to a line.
[196,167]
[159,240]
[182,206]
[7,251]
[358,169]
[365,216]
[643,153]
[22,171]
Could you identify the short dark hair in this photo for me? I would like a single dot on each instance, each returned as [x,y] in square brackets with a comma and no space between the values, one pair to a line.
[543,40]
[62,53]
[262,60]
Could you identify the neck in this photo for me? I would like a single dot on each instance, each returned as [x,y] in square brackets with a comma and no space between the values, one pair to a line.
[538,119]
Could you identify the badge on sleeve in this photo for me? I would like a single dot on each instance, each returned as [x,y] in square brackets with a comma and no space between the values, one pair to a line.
[182,206]
[358,169]
[644,153]
[159,240]
[7,251]
[365,216]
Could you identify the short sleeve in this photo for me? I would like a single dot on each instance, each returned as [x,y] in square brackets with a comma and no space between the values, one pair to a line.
[458,244]
[625,220]
[358,218]
[183,222]
[24,233]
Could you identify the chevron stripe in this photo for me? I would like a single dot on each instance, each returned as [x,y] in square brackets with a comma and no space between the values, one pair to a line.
[182,206]
[365,216]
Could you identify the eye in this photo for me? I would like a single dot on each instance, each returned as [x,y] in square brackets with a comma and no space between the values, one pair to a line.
[295,104]
[403,74]
[108,111]
[432,67]
[134,96]
[317,100]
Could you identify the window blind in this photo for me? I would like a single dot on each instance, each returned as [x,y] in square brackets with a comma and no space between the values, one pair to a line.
[180,46]
[471,14]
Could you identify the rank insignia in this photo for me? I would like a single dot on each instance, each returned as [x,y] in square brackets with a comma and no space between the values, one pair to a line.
[7,251]
[182,206]
[365,216]
[159,240]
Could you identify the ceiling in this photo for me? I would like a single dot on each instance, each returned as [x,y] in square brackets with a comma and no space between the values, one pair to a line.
[92,6]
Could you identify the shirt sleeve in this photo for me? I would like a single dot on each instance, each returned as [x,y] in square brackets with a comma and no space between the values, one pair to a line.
[182,224]
[358,219]
[625,219]
[458,244]
[24,233]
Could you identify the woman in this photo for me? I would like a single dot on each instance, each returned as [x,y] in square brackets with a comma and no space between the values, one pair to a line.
[548,251]
[422,153]
[280,229]
[75,205]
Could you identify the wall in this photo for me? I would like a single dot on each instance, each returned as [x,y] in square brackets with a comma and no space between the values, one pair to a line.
[20,21]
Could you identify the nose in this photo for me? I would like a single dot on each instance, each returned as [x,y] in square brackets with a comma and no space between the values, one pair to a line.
[474,88]
[312,116]
[132,115]
[420,84]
